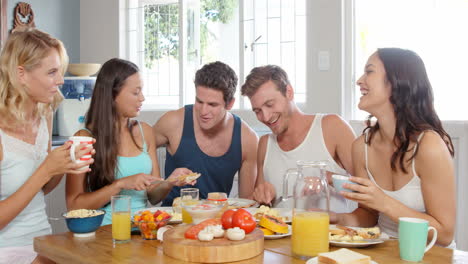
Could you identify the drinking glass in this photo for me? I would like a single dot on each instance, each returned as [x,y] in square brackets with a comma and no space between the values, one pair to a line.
[219,198]
[188,196]
[121,225]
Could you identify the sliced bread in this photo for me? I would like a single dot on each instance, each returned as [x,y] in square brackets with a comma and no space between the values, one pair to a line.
[343,256]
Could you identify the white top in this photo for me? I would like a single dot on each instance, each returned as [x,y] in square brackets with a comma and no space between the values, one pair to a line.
[20,160]
[313,148]
[409,195]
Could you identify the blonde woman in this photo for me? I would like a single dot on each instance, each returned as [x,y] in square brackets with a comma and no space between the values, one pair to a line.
[32,64]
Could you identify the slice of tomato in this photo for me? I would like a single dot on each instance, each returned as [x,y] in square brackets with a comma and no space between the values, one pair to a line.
[192,232]
[244,220]
[226,219]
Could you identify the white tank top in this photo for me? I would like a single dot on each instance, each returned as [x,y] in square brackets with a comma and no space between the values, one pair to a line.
[410,195]
[20,160]
[313,148]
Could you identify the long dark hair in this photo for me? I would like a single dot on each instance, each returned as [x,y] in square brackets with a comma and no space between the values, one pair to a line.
[412,100]
[103,121]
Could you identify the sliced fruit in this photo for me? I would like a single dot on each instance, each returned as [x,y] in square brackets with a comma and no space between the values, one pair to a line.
[266,231]
[274,224]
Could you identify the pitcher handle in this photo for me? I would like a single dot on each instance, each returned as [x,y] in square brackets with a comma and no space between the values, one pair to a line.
[285,183]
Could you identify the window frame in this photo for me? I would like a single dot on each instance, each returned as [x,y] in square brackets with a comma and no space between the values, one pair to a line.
[183,53]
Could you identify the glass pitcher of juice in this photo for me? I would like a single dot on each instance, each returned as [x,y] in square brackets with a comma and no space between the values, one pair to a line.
[311,197]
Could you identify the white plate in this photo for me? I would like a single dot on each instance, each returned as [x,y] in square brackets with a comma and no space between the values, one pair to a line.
[315,261]
[165,209]
[356,244]
[366,243]
[283,212]
[241,203]
[280,235]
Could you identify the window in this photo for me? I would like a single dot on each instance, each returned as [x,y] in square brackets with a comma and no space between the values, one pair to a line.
[435,29]
[171,39]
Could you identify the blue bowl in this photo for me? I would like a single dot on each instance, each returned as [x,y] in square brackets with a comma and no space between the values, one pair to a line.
[84,224]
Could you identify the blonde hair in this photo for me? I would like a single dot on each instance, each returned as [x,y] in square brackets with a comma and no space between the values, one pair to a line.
[25,48]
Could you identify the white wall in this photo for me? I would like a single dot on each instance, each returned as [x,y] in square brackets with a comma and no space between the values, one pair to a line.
[324,26]
[99,30]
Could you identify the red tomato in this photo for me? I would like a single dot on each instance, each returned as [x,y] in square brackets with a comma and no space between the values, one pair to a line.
[226,219]
[193,231]
[244,220]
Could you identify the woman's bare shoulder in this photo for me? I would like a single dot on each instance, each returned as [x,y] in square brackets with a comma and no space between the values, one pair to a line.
[432,147]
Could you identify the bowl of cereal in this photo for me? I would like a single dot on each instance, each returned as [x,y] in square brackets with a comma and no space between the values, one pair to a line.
[149,223]
[84,221]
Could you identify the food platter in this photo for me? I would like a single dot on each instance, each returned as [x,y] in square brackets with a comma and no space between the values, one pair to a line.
[359,243]
[215,251]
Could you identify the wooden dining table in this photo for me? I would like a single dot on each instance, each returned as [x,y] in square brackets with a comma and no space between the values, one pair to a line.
[66,248]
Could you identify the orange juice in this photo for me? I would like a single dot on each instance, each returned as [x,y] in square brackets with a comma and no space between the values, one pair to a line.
[186,218]
[309,233]
[121,226]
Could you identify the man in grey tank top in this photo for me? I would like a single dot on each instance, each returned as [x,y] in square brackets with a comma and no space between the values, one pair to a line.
[295,136]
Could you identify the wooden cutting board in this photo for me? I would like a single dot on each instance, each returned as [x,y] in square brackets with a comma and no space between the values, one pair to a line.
[216,251]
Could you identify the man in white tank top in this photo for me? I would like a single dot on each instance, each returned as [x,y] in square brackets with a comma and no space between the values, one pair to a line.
[295,136]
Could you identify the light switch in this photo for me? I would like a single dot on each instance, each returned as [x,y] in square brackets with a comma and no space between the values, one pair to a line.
[324,60]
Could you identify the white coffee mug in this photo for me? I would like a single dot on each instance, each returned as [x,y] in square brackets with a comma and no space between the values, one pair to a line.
[77,140]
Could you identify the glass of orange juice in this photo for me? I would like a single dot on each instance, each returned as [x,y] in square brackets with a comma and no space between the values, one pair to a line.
[121,225]
[309,233]
[188,196]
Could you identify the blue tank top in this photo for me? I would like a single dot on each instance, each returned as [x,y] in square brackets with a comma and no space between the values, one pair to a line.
[128,166]
[217,173]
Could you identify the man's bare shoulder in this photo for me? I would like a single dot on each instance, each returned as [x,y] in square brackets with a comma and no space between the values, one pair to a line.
[335,124]
[171,119]
[247,131]
[334,120]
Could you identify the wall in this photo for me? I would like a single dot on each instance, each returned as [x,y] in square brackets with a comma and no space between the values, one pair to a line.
[58,18]
[99,30]
[324,22]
